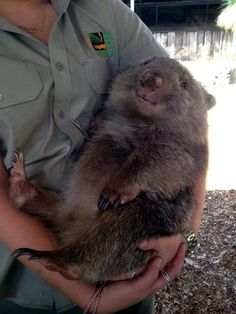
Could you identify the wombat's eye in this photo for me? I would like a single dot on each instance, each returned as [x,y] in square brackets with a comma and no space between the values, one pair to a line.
[142,83]
[184,84]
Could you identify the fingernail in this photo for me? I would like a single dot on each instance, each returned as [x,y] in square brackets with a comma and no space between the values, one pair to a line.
[158,262]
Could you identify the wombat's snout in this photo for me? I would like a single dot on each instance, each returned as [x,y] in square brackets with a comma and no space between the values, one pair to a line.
[149,81]
[150,86]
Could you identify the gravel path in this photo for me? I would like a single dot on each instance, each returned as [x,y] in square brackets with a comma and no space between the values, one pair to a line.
[208,283]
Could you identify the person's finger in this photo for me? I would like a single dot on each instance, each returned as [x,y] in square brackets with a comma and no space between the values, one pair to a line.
[178,261]
[152,243]
[148,276]
[148,244]
[144,283]
[174,269]
[184,248]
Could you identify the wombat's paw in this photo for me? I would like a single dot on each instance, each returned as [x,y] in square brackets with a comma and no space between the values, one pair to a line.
[20,191]
[112,197]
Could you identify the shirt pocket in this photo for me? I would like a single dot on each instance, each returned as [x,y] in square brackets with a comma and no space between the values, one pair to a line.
[92,92]
[98,75]
[19,83]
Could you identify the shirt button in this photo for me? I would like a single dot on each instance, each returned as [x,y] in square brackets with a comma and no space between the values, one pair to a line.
[59,66]
[61,114]
[1,97]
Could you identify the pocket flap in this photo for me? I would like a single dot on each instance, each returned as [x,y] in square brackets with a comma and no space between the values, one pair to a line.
[98,74]
[19,82]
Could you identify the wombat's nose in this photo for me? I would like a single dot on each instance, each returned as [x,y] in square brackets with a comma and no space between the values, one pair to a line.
[150,81]
[158,81]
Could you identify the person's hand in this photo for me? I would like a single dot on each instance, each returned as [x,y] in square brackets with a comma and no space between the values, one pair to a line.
[122,294]
[165,247]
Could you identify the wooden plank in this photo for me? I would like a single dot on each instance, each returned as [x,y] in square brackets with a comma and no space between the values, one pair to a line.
[171,44]
[178,41]
[171,39]
[222,39]
[208,44]
[178,45]
[200,44]
[230,45]
[216,44]
[192,45]
[163,39]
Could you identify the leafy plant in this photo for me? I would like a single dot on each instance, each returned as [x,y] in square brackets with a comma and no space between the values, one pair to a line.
[227,17]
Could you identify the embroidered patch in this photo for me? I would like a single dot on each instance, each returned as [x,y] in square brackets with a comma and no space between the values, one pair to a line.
[102,43]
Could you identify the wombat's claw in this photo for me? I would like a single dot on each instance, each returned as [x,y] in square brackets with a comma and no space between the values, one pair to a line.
[19,156]
[18,170]
[117,203]
[104,203]
[26,252]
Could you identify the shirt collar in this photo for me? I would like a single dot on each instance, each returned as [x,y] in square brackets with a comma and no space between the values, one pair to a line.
[60,5]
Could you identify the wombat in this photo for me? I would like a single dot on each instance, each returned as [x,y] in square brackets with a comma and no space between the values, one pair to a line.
[133,181]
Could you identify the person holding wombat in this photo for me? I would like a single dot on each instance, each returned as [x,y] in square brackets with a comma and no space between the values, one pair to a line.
[57,58]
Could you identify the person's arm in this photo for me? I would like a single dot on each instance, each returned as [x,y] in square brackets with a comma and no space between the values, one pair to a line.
[20,230]
[199,193]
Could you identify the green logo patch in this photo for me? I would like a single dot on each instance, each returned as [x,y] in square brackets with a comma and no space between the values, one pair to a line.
[102,43]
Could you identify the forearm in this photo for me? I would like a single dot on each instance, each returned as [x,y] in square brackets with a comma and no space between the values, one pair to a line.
[199,192]
[19,230]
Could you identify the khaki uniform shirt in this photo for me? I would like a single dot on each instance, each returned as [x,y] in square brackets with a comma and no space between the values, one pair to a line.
[48,96]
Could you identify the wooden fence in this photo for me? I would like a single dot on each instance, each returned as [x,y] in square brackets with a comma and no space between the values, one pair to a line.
[199,44]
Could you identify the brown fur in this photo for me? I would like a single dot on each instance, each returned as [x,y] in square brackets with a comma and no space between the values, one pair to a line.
[149,150]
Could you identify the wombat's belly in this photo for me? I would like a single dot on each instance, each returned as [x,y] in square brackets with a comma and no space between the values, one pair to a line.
[112,243]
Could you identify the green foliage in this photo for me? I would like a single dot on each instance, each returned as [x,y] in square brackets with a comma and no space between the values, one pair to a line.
[231,2]
[227,3]
[227,17]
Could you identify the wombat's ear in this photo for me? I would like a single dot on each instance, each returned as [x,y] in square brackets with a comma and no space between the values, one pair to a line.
[51,260]
[210,101]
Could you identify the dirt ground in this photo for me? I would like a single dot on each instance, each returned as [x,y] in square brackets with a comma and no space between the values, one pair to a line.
[208,281]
